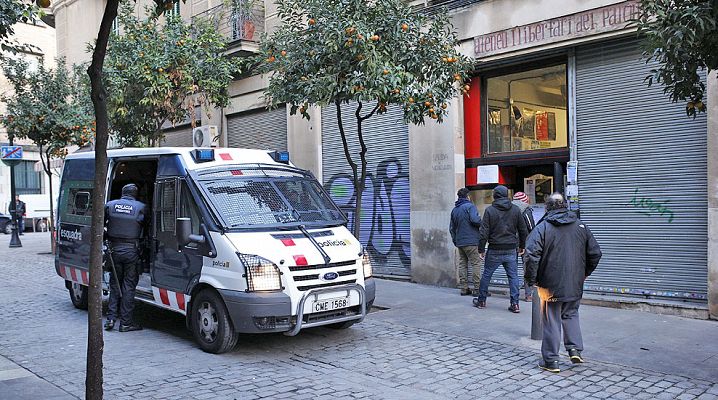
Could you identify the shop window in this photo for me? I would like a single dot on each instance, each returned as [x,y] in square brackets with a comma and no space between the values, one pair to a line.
[27,180]
[527,110]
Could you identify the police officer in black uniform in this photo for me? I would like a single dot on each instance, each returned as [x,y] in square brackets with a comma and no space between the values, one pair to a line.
[125,219]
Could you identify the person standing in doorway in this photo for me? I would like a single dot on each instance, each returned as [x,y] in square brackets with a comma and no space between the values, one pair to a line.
[521,200]
[125,218]
[504,229]
[464,229]
[560,255]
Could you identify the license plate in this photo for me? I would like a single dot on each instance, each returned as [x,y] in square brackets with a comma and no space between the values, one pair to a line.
[330,304]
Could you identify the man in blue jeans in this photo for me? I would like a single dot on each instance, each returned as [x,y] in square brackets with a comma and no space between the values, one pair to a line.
[504,229]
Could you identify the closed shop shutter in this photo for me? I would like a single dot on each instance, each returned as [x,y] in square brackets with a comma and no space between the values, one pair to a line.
[642,172]
[385,229]
[178,137]
[258,129]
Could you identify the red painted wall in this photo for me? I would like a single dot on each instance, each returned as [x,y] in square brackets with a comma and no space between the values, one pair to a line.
[472,127]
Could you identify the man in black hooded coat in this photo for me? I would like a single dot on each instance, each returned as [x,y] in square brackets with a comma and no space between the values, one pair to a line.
[561,253]
[504,229]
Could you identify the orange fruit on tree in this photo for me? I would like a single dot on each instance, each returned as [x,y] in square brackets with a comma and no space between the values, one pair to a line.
[411,100]
[375,38]
[385,72]
[283,53]
[312,21]
[404,27]
[427,103]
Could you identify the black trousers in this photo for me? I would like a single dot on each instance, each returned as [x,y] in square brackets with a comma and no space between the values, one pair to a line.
[126,257]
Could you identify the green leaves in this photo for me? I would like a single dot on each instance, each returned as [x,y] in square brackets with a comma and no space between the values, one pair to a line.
[12,12]
[360,50]
[46,106]
[682,35]
[157,71]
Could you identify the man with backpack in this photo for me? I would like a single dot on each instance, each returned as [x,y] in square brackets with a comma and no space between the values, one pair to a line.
[504,229]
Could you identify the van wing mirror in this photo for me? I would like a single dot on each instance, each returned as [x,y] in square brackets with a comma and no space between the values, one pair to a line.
[184,233]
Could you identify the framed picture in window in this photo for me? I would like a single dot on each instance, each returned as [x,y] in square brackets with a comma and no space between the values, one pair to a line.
[551,125]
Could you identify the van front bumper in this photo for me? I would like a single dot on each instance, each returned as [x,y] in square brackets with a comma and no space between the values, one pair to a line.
[272,312]
[258,312]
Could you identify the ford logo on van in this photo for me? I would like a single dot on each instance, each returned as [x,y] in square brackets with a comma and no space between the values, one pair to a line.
[330,276]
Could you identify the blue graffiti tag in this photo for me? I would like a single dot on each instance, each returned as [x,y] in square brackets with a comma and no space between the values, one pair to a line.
[385,211]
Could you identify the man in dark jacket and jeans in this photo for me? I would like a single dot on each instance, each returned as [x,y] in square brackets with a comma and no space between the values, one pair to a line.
[503,227]
[561,254]
[464,229]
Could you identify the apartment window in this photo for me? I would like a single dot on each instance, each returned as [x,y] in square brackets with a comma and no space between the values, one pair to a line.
[27,180]
[175,10]
[115,29]
[527,110]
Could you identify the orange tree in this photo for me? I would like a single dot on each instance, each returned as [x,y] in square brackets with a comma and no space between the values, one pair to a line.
[158,70]
[44,106]
[682,36]
[366,55]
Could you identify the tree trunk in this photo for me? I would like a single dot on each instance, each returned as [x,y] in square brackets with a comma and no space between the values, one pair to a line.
[95,341]
[362,156]
[48,171]
[352,164]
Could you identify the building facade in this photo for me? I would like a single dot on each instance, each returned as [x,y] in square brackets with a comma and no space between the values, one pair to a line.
[557,103]
[29,177]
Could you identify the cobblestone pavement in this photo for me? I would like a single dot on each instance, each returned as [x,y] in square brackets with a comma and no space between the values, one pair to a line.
[41,331]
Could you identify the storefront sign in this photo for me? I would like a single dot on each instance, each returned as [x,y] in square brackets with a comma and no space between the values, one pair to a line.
[588,23]
[487,174]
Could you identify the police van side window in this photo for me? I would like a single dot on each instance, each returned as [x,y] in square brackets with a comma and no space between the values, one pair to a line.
[167,209]
[189,209]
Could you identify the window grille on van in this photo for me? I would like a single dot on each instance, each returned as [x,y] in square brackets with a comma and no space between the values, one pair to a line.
[242,201]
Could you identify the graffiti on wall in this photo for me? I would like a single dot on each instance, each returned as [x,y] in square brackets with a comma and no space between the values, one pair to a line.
[385,211]
[651,207]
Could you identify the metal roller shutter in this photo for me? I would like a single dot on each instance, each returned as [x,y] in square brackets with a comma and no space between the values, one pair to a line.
[258,129]
[642,177]
[385,217]
[178,137]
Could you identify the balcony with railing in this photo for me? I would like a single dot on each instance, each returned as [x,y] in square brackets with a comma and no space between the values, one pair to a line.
[240,21]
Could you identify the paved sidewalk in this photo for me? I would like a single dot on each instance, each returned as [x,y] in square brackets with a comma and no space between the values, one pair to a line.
[429,343]
[656,342]
[17,382]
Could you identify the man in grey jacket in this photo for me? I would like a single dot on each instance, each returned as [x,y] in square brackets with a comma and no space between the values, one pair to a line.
[464,229]
[561,254]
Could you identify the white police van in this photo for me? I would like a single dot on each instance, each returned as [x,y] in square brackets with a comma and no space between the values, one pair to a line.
[239,241]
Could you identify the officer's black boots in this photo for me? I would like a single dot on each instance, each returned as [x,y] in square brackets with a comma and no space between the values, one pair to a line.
[109,324]
[130,328]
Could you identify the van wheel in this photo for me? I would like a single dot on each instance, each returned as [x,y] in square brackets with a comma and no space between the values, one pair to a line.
[8,228]
[78,295]
[210,323]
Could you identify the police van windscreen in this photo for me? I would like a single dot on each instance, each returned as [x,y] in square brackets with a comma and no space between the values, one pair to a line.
[265,198]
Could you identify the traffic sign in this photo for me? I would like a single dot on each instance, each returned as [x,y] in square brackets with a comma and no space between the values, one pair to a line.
[11,155]
[11,152]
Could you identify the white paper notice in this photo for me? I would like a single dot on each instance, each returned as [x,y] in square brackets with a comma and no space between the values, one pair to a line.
[487,174]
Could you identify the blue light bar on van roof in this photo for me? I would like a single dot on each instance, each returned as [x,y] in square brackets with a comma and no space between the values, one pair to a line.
[203,155]
[280,156]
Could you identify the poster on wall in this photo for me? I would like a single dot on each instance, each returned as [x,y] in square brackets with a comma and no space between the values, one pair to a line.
[541,125]
[528,120]
[551,125]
